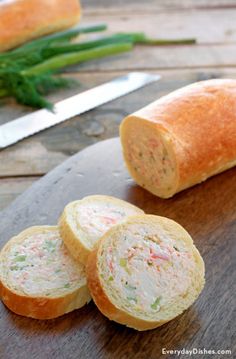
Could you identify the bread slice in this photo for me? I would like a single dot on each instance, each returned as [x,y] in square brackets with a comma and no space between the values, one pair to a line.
[145,272]
[38,277]
[85,221]
[24,20]
[183,138]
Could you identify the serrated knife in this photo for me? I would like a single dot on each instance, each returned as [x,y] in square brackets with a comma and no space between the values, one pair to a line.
[16,130]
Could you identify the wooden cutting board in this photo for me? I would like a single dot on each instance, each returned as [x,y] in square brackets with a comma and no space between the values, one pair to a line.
[207,211]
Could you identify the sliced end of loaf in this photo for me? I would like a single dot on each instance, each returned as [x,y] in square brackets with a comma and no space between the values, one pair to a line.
[114,305]
[36,302]
[78,239]
[149,155]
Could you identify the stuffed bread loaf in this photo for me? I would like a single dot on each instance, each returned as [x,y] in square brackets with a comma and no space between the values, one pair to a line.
[145,272]
[182,138]
[85,221]
[38,277]
[24,20]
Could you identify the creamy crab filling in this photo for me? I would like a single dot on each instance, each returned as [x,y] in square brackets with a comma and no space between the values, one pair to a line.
[148,271]
[96,218]
[148,155]
[42,264]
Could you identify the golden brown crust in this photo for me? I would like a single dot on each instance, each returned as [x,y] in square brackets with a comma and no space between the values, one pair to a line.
[43,308]
[201,122]
[35,306]
[24,20]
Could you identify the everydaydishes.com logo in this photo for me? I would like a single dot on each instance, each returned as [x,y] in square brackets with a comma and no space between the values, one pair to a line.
[195,351]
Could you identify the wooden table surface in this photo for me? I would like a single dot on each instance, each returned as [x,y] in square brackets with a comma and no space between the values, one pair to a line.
[211,22]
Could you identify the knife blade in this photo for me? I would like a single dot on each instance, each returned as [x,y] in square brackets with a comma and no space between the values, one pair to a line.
[25,126]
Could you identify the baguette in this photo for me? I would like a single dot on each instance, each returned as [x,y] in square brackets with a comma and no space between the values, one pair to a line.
[182,138]
[145,272]
[38,277]
[84,222]
[24,20]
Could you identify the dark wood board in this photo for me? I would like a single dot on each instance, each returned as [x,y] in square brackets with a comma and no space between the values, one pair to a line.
[207,211]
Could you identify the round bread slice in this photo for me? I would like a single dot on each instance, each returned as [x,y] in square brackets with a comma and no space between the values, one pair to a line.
[85,221]
[145,272]
[38,277]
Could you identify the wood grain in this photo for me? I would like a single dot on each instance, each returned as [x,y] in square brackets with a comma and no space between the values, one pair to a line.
[163,57]
[207,211]
[170,23]
[10,188]
[157,4]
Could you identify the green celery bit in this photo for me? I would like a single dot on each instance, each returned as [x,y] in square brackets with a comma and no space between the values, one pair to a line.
[50,245]
[67,285]
[20,258]
[156,303]
[110,278]
[123,262]
[14,268]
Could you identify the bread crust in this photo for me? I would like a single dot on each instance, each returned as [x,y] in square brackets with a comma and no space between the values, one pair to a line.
[99,295]
[76,245]
[24,20]
[40,307]
[200,120]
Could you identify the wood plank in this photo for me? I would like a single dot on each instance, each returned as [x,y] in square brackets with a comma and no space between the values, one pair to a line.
[199,24]
[10,188]
[107,5]
[165,57]
[207,211]
[39,154]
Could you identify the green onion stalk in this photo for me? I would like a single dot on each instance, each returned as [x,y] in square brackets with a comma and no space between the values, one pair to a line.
[58,62]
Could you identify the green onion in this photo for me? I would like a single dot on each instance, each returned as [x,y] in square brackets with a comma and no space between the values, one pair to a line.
[26,72]
[63,49]
[3,93]
[141,38]
[58,62]
[61,36]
